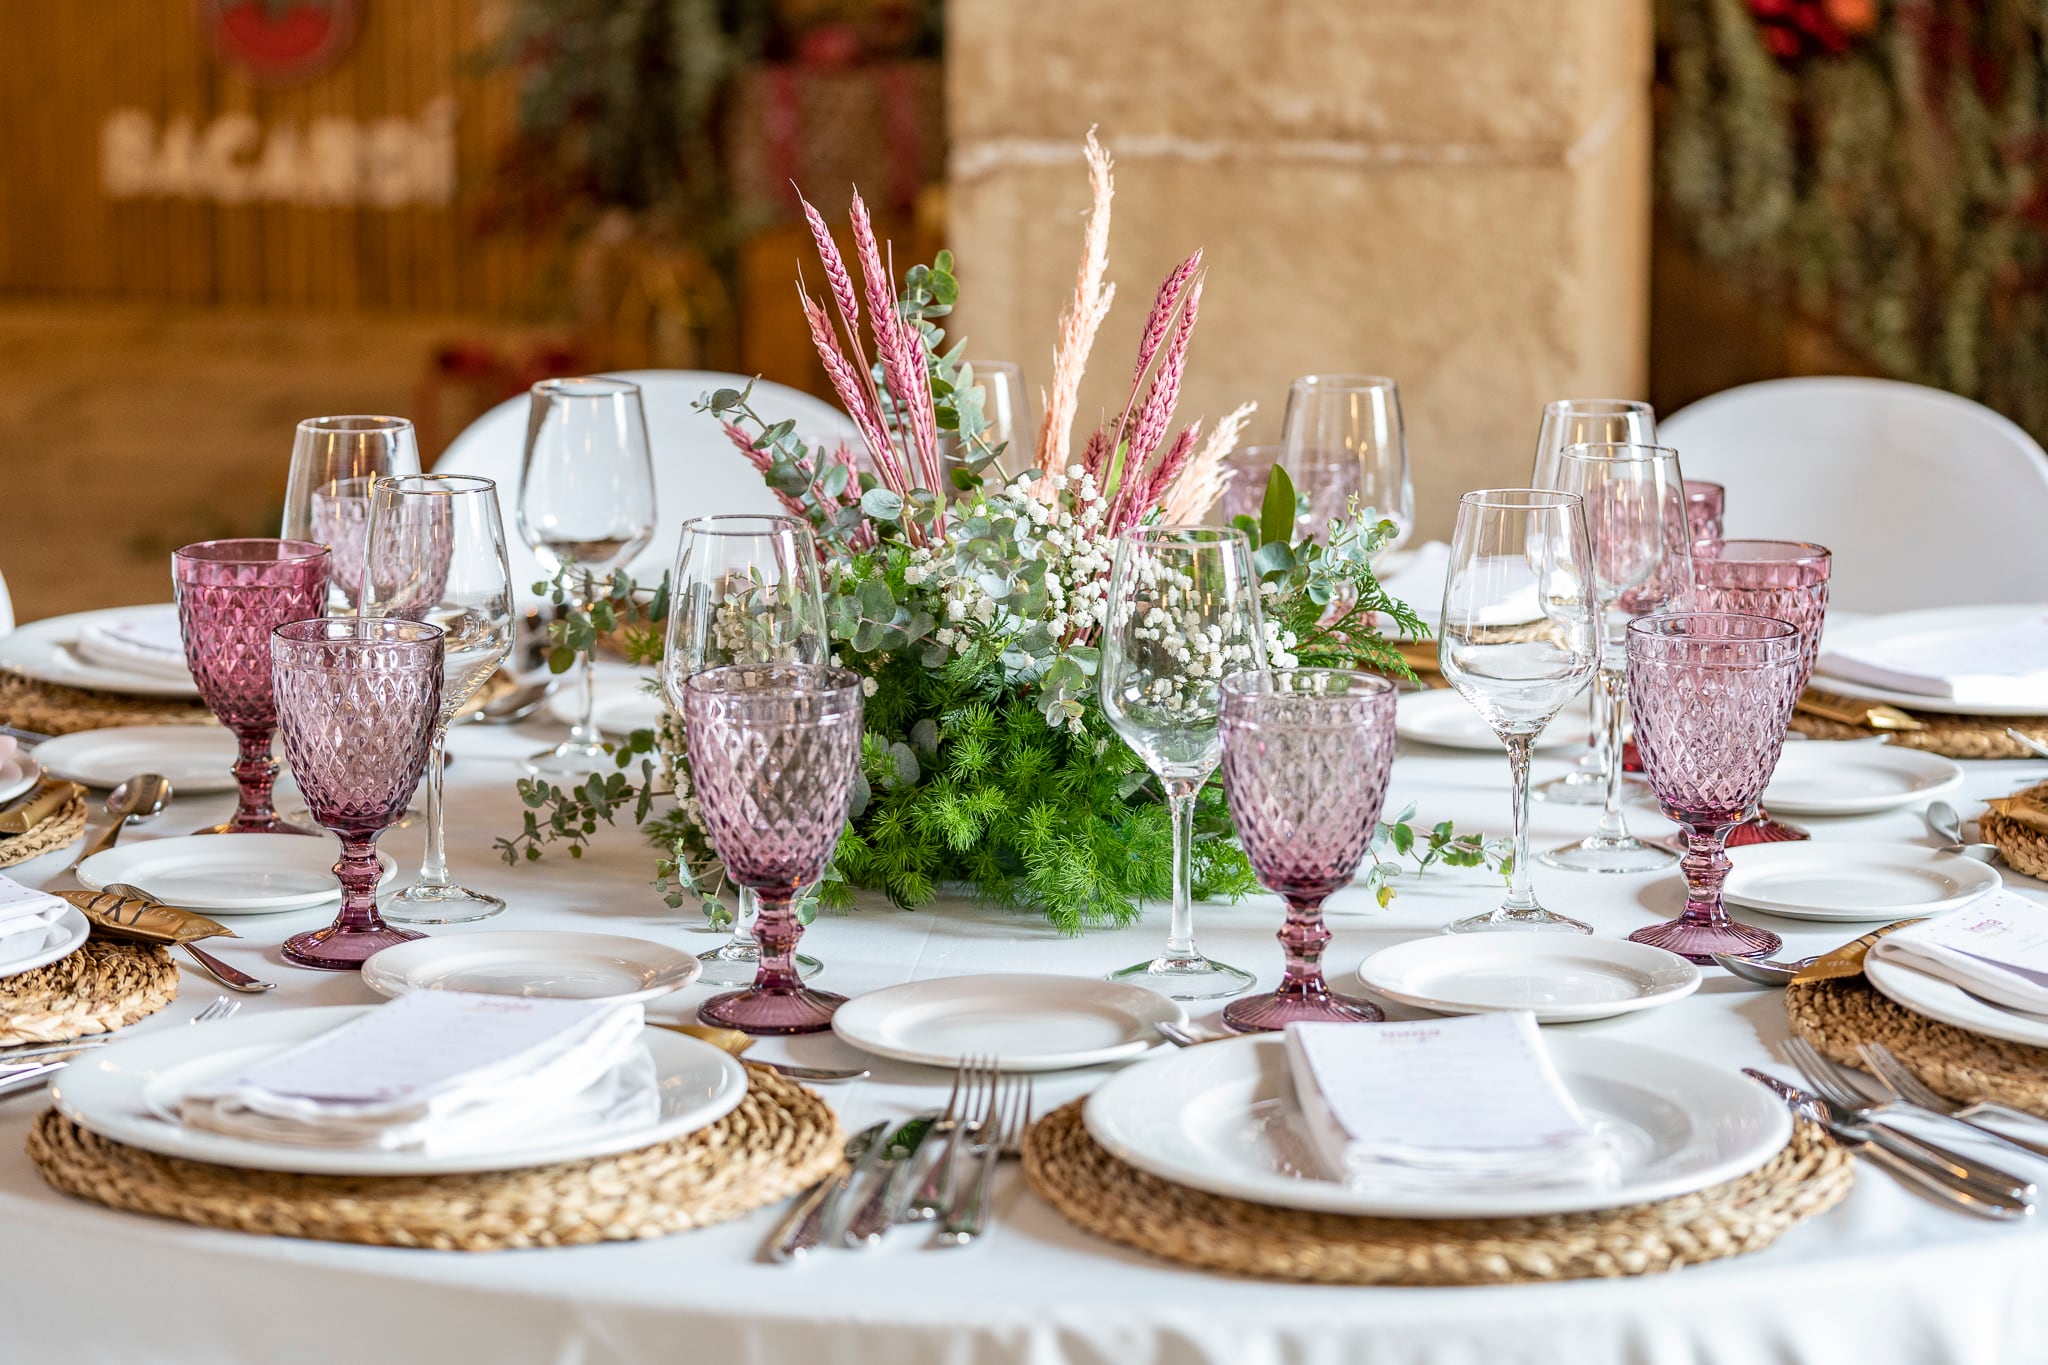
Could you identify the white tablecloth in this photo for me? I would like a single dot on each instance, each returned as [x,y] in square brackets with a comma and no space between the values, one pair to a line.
[1886,1276]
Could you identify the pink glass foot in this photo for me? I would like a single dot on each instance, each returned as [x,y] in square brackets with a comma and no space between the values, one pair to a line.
[1765,830]
[761,1011]
[1697,940]
[345,947]
[1314,1003]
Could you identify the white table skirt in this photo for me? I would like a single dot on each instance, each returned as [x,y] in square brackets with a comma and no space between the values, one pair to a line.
[1886,1276]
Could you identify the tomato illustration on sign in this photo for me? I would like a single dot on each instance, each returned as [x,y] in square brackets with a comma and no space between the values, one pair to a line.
[280,40]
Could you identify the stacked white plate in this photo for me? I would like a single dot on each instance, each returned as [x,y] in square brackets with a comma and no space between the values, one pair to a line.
[47,651]
[535,963]
[1856,779]
[1824,880]
[1560,978]
[1899,630]
[228,874]
[1951,1004]
[37,948]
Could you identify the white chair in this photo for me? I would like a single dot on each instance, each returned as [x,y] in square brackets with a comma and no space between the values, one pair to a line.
[1926,498]
[696,470]
[6,607]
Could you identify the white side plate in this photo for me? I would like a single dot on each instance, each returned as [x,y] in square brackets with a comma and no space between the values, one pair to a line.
[1027,1022]
[43,650]
[248,874]
[1823,880]
[1561,978]
[535,963]
[18,775]
[1951,1004]
[1856,779]
[196,758]
[1940,621]
[1442,717]
[60,939]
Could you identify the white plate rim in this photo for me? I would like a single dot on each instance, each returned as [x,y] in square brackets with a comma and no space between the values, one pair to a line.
[32,650]
[1744,859]
[31,773]
[92,879]
[1906,622]
[223,781]
[611,695]
[1948,1003]
[1413,721]
[1902,760]
[76,928]
[394,977]
[1617,951]
[851,1021]
[132,1124]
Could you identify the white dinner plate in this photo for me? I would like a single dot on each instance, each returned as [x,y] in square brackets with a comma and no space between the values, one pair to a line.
[1027,1022]
[1872,630]
[1951,1004]
[248,874]
[1856,779]
[533,962]
[60,938]
[196,758]
[1442,717]
[1818,879]
[1222,1118]
[618,711]
[18,775]
[117,1091]
[1560,978]
[43,650]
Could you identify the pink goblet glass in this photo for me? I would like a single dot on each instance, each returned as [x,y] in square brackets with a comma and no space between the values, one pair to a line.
[1786,580]
[1306,754]
[231,595]
[773,753]
[1703,506]
[357,701]
[1712,694]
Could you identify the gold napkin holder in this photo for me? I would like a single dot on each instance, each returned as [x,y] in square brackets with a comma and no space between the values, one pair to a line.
[1847,711]
[50,796]
[727,1040]
[2028,807]
[1847,960]
[146,921]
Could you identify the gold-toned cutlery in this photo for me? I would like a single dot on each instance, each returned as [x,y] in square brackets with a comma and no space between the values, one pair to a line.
[139,798]
[233,978]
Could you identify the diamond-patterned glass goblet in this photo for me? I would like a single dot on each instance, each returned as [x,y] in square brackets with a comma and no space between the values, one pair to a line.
[231,595]
[773,753]
[1703,506]
[1712,695]
[1306,753]
[1786,580]
[357,701]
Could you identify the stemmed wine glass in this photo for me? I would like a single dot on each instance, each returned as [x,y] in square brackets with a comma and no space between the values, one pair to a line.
[335,460]
[773,754]
[1583,421]
[1713,695]
[1642,563]
[745,591]
[1306,754]
[436,553]
[231,594]
[1784,580]
[1328,485]
[357,702]
[1183,615]
[1354,420]
[586,501]
[1518,642]
[1005,414]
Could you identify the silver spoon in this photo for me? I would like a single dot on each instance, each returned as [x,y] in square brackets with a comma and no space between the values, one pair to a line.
[233,978]
[139,798]
[1947,826]
[516,705]
[1763,971]
[2032,745]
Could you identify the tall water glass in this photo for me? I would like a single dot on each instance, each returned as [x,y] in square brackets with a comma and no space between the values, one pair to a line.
[1183,615]
[335,460]
[1714,694]
[231,595]
[1642,563]
[1353,420]
[1705,504]
[357,703]
[1583,421]
[1306,754]
[745,591]
[1519,641]
[586,501]
[436,553]
[773,754]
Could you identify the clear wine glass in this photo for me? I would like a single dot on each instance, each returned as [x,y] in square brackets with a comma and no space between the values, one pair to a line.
[1306,754]
[1328,485]
[1583,421]
[773,754]
[357,703]
[586,502]
[1183,614]
[1704,505]
[1642,563]
[1352,420]
[1714,693]
[436,552]
[1005,414]
[335,460]
[1519,642]
[745,591]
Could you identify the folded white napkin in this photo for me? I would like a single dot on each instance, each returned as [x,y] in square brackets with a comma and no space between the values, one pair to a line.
[2000,667]
[1995,947]
[1443,1106]
[23,909]
[1417,577]
[442,1072]
[146,640]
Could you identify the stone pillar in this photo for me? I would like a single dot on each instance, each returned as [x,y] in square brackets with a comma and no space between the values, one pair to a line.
[1453,192]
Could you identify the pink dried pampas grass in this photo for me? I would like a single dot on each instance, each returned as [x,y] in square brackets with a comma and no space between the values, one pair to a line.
[1202,483]
[1082,317]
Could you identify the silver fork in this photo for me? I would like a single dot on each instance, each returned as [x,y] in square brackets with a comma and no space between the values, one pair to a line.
[1838,1089]
[25,1078]
[1913,1092]
[974,1088]
[1001,1135]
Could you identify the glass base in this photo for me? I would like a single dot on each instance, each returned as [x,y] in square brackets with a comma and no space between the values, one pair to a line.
[1275,1010]
[1504,920]
[274,825]
[737,964]
[336,949]
[571,759]
[300,815]
[1192,977]
[1580,787]
[1698,940]
[440,905]
[1764,830]
[1597,854]
[756,1011]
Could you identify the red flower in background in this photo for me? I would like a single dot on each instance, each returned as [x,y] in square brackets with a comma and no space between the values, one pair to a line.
[280,40]
[1792,29]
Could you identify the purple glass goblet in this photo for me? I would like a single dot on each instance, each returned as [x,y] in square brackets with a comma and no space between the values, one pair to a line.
[1786,580]
[1713,694]
[231,595]
[1306,753]
[1703,505]
[773,752]
[357,701]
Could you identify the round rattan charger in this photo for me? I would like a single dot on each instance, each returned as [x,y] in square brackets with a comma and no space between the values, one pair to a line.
[1836,1016]
[57,829]
[105,985]
[54,709]
[1949,736]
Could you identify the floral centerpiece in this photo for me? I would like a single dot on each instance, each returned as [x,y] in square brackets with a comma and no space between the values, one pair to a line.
[966,583]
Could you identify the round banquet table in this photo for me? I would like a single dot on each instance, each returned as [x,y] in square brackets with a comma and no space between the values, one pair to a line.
[1885,1276]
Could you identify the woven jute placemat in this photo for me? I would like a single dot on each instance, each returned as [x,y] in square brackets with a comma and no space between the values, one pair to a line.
[2018,825]
[1103,1195]
[105,985]
[57,710]
[1949,736]
[63,825]
[1836,1016]
[780,1139]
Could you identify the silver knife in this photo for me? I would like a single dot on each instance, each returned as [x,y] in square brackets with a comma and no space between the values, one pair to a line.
[890,1187]
[803,1230]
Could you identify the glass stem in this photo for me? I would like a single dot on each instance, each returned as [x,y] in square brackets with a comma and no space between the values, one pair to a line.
[255,776]
[1180,806]
[777,929]
[358,873]
[1596,741]
[1705,866]
[1521,894]
[1302,940]
[434,863]
[1610,685]
[582,731]
[747,908]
